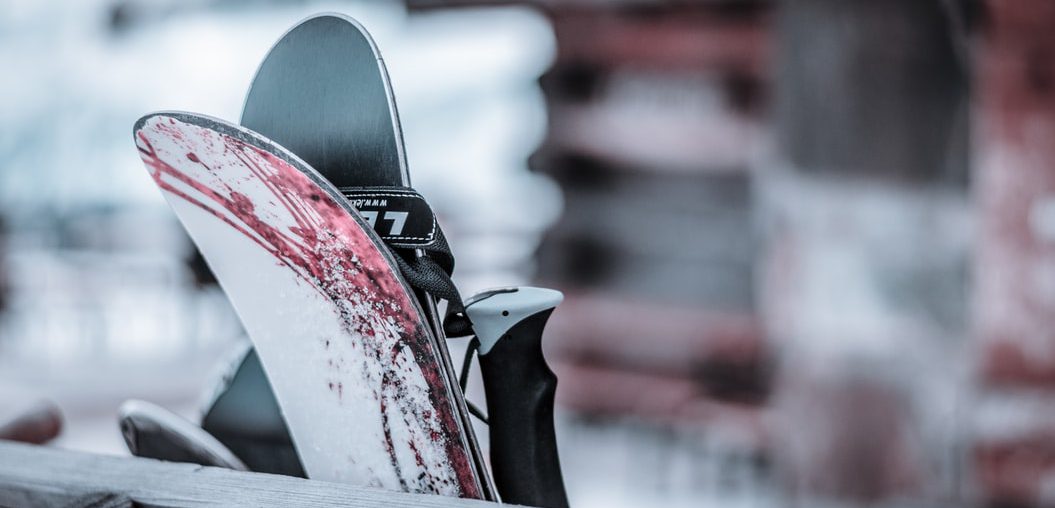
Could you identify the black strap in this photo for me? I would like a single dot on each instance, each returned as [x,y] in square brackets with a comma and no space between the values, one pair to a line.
[399,215]
[407,224]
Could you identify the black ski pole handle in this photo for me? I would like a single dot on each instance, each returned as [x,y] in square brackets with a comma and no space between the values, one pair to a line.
[520,387]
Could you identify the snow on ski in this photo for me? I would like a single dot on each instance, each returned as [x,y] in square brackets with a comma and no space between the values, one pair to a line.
[344,342]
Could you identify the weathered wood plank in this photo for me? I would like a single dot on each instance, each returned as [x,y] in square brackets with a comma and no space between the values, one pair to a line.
[40,476]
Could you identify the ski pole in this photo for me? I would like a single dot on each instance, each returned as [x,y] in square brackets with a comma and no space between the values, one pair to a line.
[520,388]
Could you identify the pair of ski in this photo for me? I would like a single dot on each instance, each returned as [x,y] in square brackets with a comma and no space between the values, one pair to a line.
[334,265]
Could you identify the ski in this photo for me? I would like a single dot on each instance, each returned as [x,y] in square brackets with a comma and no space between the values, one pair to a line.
[349,351]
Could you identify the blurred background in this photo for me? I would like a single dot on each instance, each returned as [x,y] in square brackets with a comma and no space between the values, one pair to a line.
[808,246]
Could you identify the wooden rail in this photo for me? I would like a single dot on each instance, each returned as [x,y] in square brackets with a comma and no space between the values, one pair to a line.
[36,476]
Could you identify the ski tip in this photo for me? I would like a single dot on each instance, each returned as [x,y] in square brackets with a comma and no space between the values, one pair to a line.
[323,91]
[336,27]
[332,18]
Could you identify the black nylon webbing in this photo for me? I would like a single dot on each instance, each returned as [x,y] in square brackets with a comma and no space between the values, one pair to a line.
[431,270]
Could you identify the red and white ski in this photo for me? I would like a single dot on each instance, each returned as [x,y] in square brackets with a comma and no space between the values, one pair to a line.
[345,344]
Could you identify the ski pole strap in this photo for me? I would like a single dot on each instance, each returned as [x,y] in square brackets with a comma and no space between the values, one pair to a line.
[407,224]
[400,216]
[431,273]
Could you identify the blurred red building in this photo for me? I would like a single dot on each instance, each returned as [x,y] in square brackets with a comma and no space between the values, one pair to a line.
[1014,300]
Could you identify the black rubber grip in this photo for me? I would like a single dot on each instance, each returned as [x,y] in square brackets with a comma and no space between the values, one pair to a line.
[520,387]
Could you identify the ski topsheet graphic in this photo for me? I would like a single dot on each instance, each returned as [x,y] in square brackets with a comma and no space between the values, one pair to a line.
[347,349]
